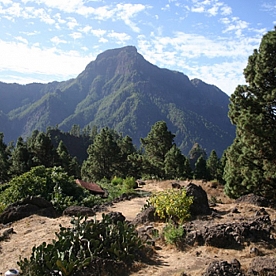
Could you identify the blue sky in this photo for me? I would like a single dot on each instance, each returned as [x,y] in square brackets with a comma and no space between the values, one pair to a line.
[48,40]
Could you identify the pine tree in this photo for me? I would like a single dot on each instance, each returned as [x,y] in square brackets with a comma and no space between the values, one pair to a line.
[195,152]
[42,150]
[20,158]
[104,157]
[251,159]
[4,160]
[201,171]
[174,163]
[156,145]
[213,165]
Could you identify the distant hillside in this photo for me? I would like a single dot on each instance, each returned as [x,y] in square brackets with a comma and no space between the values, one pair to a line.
[123,91]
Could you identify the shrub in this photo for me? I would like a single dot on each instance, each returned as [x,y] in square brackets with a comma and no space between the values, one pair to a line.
[76,247]
[174,234]
[117,181]
[171,204]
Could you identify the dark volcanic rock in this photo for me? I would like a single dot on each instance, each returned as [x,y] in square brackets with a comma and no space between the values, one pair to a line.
[229,235]
[223,268]
[116,216]
[200,205]
[147,215]
[78,210]
[27,207]
[262,266]
[254,200]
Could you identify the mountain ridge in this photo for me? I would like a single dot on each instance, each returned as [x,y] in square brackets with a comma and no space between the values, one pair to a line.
[123,91]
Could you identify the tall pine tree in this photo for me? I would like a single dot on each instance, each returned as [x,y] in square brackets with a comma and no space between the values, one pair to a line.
[156,145]
[251,159]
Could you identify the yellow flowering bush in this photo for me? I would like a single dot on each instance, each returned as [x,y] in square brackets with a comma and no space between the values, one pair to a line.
[172,204]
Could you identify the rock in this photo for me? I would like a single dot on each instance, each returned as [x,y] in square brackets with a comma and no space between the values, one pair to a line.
[116,216]
[27,207]
[176,185]
[78,211]
[262,266]
[228,235]
[254,200]
[254,251]
[6,234]
[147,215]
[223,268]
[200,205]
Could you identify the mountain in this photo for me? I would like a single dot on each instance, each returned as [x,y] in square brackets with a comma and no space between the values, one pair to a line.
[123,91]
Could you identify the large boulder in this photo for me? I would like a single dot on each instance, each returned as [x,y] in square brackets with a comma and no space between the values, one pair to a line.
[200,205]
[27,207]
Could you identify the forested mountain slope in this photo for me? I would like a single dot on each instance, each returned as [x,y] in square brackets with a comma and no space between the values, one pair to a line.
[123,91]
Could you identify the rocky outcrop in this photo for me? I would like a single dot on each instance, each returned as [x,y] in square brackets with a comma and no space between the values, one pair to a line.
[223,268]
[254,200]
[229,235]
[262,266]
[27,207]
[200,205]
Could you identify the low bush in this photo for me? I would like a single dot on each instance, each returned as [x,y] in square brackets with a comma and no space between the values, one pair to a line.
[76,247]
[174,234]
[172,204]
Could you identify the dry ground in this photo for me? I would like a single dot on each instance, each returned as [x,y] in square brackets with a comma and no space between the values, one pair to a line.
[193,261]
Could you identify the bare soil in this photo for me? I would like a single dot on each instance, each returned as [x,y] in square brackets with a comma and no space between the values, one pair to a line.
[168,261]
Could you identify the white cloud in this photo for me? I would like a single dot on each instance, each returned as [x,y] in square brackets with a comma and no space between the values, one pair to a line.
[21,39]
[226,10]
[121,38]
[76,35]
[56,40]
[98,32]
[210,7]
[127,11]
[85,29]
[71,22]
[220,62]
[235,24]
[25,59]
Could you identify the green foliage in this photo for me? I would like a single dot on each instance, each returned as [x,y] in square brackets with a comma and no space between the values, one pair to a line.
[251,159]
[75,247]
[174,234]
[213,166]
[61,201]
[195,153]
[171,204]
[201,171]
[4,164]
[117,181]
[174,163]
[49,183]
[20,158]
[129,183]
[104,158]
[156,145]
